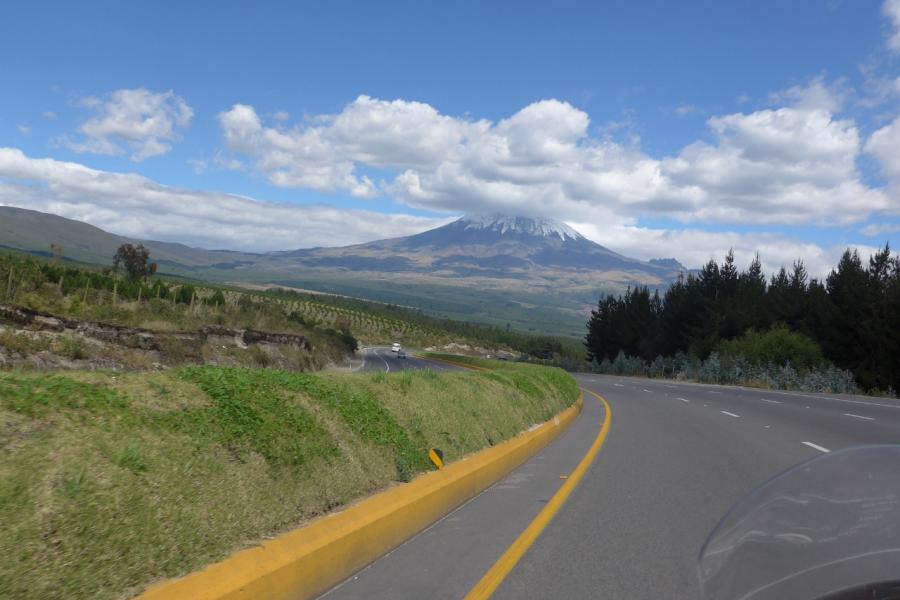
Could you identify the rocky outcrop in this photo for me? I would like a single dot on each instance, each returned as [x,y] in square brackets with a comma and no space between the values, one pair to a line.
[145,339]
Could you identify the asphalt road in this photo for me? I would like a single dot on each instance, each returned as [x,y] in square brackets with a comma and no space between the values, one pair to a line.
[380,358]
[676,458]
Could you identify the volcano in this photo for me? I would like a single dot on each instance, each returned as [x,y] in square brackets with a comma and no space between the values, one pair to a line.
[531,273]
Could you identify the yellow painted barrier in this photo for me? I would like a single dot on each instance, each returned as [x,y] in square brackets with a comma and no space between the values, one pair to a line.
[308,561]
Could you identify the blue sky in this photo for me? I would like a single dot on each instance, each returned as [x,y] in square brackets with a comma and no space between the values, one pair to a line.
[642,103]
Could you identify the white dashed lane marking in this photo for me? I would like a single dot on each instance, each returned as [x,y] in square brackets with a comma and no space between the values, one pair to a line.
[816,447]
[858,416]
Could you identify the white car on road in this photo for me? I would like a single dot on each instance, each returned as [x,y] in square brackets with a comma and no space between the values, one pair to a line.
[395,347]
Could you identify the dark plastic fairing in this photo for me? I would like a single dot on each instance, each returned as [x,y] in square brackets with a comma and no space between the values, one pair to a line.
[889,590]
[827,528]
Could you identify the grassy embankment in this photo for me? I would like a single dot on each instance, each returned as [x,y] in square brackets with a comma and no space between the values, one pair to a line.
[112,481]
[169,307]
[470,361]
[160,304]
[177,305]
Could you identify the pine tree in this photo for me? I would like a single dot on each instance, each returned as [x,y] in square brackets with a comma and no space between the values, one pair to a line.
[599,342]
[846,286]
[727,304]
[795,306]
[874,329]
[751,298]
[711,319]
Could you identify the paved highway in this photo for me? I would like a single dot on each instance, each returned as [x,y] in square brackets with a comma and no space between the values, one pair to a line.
[380,358]
[677,457]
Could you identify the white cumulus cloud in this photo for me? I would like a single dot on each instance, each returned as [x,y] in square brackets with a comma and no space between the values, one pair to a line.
[891,9]
[792,164]
[816,94]
[324,152]
[884,145]
[694,247]
[134,206]
[138,121]
[875,229]
[789,165]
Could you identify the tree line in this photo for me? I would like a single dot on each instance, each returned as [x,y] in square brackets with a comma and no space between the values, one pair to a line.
[852,316]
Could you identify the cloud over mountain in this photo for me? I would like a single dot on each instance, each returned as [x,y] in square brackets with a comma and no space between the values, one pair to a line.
[795,163]
[134,206]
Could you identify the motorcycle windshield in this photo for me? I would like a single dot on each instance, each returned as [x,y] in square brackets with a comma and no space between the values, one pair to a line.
[827,525]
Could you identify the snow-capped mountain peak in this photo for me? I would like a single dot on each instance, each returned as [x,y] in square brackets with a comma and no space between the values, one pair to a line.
[524,225]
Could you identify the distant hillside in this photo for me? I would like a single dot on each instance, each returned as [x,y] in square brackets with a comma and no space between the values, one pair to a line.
[535,275]
[32,231]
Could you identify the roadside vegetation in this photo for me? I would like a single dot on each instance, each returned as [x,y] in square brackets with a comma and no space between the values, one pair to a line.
[110,482]
[726,326]
[431,331]
[132,297]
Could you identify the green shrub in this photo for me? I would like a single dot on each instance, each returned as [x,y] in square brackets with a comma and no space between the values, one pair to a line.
[23,343]
[778,346]
[73,348]
[260,357]
[185,294]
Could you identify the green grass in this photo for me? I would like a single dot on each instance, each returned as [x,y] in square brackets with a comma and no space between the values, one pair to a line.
[474,361]
[252,413]
[92,295]
[164,304]
[110,482]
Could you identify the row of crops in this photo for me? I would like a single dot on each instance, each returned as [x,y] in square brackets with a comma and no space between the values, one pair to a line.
[103,295]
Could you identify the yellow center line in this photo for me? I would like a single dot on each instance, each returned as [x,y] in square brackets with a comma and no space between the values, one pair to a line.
[498,572]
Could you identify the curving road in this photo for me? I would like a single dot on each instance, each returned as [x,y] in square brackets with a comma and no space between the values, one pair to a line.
[677,457]
[380,358]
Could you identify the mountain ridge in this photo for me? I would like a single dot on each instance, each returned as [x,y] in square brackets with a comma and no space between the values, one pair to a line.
[522,242]
[536,274]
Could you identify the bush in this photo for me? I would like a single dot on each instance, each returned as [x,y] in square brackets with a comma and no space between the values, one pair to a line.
[259,356]
[217,299]
[778,346]
[735,370]
[348,341]
[185,294]
[73,348]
